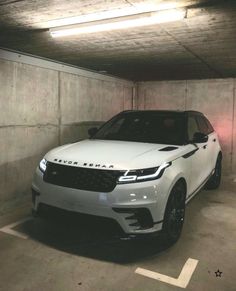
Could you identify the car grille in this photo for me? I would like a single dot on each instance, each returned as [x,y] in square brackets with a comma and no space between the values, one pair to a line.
[81,178]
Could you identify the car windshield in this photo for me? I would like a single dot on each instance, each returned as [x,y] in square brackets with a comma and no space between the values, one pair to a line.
[150,127]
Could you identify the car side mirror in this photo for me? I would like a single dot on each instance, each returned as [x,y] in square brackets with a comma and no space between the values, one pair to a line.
[92,131]
[200,137]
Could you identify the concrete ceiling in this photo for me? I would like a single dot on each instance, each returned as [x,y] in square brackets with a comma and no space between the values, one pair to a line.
[201,46]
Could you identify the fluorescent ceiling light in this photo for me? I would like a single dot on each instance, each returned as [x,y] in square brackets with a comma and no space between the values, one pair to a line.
[101,15]
[138,20]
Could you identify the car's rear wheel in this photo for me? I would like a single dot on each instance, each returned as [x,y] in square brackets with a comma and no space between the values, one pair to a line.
[174,213]
[214,181]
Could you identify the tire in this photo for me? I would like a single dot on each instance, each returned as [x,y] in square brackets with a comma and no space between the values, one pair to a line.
[174,213]
[39,213]
[214,181]
[35,213]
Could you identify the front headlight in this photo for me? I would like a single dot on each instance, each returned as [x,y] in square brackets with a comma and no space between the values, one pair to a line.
[132,176]
[43,165]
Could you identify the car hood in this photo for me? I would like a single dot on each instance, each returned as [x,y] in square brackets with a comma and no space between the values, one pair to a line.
[114,155]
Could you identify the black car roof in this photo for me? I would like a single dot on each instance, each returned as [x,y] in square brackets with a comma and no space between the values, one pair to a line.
[164,111]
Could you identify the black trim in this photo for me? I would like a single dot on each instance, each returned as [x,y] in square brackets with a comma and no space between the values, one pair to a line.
[88,179]
[164,111]
[189,154]
[168,149]
[142,216]
[53,212]
[199,187]
[160,221]
[137,236]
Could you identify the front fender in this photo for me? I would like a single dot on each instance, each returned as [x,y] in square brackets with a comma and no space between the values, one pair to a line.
[170,177]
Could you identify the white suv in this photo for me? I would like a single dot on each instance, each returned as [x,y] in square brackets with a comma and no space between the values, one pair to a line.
[140,169]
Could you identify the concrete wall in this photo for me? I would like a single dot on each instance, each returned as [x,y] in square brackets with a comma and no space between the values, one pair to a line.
[215,98]
[42,107]
[45,104]
[85,102]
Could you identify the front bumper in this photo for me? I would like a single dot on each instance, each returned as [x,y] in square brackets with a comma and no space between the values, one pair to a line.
[136,207]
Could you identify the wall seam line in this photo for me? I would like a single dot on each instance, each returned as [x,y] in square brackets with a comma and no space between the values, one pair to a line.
[28,125]
[59,108]
[233,124]
[186,95]
[134,97]
[49,64]
[123,98]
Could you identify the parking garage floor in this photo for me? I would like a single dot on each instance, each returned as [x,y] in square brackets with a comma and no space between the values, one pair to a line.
[72,253]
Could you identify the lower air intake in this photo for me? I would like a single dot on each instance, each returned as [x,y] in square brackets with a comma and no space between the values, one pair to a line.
[141,216]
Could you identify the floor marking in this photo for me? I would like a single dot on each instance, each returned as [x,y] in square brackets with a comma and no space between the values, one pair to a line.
[183,279]
[8,228]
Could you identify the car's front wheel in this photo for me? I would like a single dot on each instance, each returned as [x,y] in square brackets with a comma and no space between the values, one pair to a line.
[174,213]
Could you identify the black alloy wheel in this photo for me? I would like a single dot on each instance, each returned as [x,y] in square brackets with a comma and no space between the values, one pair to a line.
[175,213]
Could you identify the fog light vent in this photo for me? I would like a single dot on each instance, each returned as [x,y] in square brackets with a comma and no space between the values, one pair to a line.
[142,216]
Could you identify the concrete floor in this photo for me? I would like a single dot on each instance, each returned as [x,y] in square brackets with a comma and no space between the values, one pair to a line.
[63,255]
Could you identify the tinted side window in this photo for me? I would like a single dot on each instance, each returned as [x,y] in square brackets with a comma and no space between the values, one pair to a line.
[202,125]
[209,126]
[192,127]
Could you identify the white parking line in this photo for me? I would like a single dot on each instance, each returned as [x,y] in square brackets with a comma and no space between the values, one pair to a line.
[8,228]
[183,279]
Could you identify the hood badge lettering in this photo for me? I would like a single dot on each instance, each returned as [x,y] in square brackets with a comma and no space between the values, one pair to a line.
[84,164]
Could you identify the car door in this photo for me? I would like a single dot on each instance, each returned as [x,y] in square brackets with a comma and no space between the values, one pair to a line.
[208,147]
[212,143]
[198,169]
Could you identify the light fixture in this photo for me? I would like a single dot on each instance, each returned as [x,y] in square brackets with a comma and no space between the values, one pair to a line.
[108,14]
[137,20]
